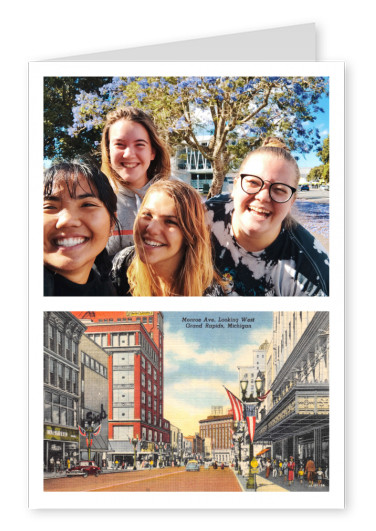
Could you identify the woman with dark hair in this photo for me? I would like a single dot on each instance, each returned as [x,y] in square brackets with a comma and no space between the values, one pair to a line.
[79,213]
[259,248]
[172,253]
[134,156]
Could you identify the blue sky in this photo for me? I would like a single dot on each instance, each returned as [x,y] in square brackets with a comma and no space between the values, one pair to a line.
[310,160]
[200,361]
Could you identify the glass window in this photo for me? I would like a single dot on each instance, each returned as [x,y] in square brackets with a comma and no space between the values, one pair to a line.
[143,379]
[123,433]
[92,364]
[143,363]
[55,415]
[47,413]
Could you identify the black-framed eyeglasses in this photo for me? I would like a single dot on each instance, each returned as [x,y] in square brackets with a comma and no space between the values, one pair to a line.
[279,192]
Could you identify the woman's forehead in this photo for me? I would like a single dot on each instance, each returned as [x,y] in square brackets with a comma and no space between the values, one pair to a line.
[72,184]
[268,166]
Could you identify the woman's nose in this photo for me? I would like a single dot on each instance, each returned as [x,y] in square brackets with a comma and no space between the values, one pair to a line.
[263,193]
[128,151]
[153,226]
[68,218]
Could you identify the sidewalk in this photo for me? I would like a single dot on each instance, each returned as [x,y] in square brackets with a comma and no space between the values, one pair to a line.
[278,484]
[263,484]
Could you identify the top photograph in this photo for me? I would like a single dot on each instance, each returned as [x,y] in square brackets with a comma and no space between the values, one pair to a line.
[186,186]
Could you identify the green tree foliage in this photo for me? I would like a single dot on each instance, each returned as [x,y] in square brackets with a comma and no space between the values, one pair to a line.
[59,98]
[237,112]
[321,173]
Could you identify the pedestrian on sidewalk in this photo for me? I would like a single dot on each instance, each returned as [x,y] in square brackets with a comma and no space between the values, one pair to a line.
[310,469]
[291,470]
[319,474]
[301,475]
[280,465]
[275,468]
[285,469]
[268,465]
[58,464]
[52,464]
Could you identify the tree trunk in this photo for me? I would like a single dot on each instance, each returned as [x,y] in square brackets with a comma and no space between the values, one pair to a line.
[220,168]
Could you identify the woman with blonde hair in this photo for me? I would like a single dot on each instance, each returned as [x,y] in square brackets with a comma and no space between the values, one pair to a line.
[172,253]
[259,247]
[134,156]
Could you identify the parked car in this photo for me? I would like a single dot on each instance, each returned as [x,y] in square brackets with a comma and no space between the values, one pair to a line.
[325,187]
[304,187]
[192,466]
[85,469]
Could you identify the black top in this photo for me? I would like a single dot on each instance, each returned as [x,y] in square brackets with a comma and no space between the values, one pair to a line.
[295,264]
[56,285]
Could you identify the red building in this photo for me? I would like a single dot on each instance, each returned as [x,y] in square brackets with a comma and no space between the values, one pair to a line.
[134,343]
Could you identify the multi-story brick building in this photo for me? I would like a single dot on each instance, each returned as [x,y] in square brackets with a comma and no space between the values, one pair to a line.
[219,429]
[134,344]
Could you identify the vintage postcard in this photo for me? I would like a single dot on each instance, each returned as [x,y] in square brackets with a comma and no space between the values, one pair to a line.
[238,192]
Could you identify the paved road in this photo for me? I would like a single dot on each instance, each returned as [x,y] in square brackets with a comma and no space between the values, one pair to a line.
[155,480]
[315,196]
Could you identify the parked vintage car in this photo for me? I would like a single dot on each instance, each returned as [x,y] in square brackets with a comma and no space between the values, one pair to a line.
[192,466]
[304,187]
[85,469]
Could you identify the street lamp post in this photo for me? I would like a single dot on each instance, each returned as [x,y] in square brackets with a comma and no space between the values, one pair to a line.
[251,483]
[134,442]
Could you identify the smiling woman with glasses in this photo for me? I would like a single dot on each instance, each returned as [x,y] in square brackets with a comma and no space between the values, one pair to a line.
[259,248]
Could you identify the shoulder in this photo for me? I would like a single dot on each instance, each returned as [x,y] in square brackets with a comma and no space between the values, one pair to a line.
[120,264]
[218,200]
[220,208]
[312,254]
[123,258]
[48,282]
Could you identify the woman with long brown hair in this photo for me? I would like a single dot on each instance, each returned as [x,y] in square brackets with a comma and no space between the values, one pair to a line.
[172,254]
[134,156]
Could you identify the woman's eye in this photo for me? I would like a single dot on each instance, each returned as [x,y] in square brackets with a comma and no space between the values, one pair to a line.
[171,222]
[49,207]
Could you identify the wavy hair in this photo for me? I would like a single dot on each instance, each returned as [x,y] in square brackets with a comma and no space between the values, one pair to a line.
[196,271]
[160,167]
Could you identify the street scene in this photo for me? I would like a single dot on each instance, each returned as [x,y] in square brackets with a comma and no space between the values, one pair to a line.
[186,401]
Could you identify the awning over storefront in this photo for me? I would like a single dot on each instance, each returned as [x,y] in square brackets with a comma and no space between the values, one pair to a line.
[263,451]
[304,407]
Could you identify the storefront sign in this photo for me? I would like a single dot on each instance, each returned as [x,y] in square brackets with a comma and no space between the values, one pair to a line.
[57,433]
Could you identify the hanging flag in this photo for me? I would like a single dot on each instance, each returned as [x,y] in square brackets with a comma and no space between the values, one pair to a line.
[82,431]
[250,415]
[262,397]
[236,404]
[97,430]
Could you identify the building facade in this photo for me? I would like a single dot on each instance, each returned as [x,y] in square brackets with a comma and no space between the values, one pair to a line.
[219,430]
[94,398]
[296,413]
[133,342]
[62,334]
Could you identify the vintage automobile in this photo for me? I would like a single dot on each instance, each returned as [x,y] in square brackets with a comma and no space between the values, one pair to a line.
[192,466]
[84,469]
[304,187]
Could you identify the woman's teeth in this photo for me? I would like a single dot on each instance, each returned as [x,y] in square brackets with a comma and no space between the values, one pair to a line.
[153,244]
[69,242]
